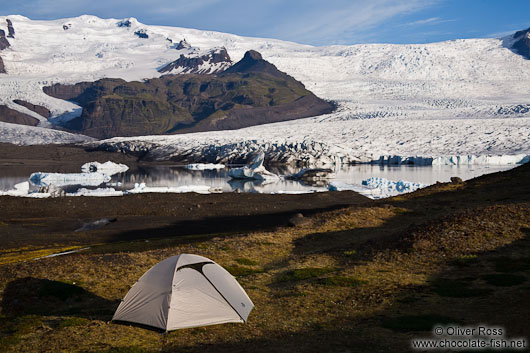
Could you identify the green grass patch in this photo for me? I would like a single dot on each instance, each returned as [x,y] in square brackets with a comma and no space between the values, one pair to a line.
[465,260]
[508,264]
[504,279]
[245,261]
[73,321]
[341,281]
[350,252]
[240,271]
[300,274]
[410,323]
[457,289]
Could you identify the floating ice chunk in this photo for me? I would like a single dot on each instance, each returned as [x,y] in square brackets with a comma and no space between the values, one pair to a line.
[100,192]
[63,179]
[22,188]
[255,171]
[377,188]
[200,189]
[201,166]
[108,168]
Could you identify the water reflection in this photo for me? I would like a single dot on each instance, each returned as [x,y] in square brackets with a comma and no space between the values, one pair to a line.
[174,176]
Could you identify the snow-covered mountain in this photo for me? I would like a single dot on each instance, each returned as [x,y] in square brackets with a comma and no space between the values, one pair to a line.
[461,97]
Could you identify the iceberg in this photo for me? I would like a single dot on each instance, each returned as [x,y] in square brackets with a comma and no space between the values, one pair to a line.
[100,192]
[255,171]
[204,166]
[378,188]
[108,168]
[142,188]
[63,179]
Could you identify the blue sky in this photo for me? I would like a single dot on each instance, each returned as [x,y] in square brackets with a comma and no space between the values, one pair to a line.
[316,22]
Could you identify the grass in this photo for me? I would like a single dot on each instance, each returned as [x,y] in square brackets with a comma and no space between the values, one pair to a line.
[300,274]
[245,261]
[341,281]
[465,260]
[73,322]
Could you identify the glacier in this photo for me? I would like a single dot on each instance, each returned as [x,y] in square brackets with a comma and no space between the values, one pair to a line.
[454,102]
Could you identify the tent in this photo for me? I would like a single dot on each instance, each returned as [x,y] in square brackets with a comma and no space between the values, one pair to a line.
[185,291]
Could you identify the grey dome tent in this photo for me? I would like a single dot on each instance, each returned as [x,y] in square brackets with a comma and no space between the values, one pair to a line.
[185,291]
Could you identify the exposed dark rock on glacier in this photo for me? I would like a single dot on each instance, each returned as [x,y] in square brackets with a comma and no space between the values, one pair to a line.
[2,67]
[183,44]
[203,64]
[187,103]
[522,45]
[124,23]
[4,43]
[142,33]
[35,108]
[10,29]
[8,115]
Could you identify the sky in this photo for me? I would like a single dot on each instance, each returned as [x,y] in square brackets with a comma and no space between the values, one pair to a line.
[315,22]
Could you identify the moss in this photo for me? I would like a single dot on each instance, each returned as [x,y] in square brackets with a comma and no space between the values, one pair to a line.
[73,321]
[304,273]
[240,271]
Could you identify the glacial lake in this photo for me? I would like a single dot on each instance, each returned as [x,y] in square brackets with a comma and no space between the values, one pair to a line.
[175,176]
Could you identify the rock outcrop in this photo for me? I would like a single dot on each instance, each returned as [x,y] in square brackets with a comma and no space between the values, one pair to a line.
[8,115]
[183,45]
[10,29]
[39,109]
[4,43]
[2,67]
[189,103]
[522,45]
[215,61]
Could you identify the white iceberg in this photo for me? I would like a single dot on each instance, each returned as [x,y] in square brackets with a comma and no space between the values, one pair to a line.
[204,166]
[100,192]
[200,189]
[108,168]
[255,171]
[63,179]
[378,188]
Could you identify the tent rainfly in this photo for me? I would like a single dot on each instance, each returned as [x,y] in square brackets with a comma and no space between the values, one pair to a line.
[185,291]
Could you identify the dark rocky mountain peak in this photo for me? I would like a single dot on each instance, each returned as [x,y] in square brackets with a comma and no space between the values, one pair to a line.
[183,44]
[522,44]
[253,62]
[216,61]
[124,23]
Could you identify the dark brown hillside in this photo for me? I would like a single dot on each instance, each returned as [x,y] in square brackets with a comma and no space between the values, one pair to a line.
[252,92]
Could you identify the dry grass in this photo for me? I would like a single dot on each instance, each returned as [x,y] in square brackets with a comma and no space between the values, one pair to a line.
[360,279]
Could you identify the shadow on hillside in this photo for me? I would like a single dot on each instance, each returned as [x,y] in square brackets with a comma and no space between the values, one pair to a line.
[218,226]
[36,296]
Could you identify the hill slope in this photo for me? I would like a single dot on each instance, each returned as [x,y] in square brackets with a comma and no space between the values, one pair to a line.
[251,92]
